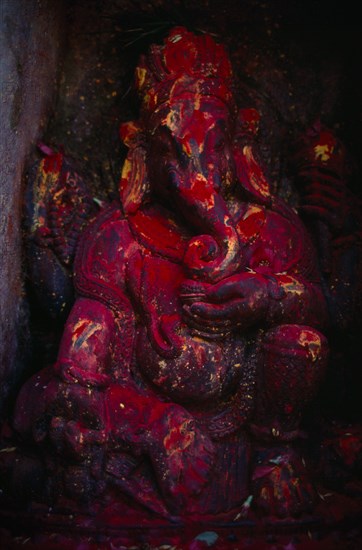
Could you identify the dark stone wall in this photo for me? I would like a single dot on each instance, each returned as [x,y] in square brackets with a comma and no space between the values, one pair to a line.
[31,39]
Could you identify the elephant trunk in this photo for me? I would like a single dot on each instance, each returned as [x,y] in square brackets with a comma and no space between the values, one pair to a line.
[215,252]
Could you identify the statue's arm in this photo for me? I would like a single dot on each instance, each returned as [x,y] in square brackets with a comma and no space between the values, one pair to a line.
[65,401]
[282,284]
[293,299]
[89,362]
[248,299]
[88,344]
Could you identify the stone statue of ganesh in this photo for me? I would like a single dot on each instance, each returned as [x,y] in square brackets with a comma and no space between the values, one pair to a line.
[194,342]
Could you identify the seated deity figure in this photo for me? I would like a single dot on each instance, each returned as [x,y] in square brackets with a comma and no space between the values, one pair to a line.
[194,345]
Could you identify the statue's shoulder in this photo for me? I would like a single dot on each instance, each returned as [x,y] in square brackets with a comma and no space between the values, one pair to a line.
[108,230]
[103,249]
[250,220]
[288,216]
[275,223]
[276,238]
[254,219]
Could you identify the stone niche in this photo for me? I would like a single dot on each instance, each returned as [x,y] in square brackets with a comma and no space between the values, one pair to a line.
[66,80]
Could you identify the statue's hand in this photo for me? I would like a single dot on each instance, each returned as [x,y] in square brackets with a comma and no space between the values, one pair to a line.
[240,300]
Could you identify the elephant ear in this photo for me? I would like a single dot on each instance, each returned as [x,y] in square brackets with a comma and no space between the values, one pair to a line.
[134,184]
[58,206]
[248,168]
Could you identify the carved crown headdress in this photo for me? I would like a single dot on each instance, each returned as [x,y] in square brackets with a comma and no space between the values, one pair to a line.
[184,65]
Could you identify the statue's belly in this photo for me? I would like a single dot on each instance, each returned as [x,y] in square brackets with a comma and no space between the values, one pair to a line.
[202,369]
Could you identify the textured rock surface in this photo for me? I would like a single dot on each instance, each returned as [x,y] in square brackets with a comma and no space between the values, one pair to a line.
[30,46]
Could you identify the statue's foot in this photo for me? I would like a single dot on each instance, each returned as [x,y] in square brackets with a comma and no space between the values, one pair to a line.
[182,456]
[281,485]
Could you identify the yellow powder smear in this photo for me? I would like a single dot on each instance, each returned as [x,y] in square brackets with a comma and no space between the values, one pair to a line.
[87,329]
[251,211]
[312,341]
[323,152]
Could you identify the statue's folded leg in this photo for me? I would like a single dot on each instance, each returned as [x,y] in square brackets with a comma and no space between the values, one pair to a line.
[294,360]
[181,455]
[88,409]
